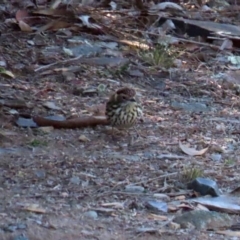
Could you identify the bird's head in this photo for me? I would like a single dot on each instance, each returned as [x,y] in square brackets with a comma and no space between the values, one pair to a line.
[124,95]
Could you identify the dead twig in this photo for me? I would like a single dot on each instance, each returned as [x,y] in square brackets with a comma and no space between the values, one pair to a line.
[58,62]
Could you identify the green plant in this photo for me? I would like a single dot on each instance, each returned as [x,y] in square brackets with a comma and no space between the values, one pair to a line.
[190,173]
[229,162]
[158,56]
[37,143]
[118,72]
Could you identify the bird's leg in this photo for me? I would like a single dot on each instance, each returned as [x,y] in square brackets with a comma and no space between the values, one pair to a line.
[138,135]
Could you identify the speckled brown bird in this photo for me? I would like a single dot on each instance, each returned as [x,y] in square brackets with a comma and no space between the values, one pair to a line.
[122,108]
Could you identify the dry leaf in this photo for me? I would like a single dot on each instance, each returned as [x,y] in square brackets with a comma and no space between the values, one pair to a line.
[191,151]
[206,8]
[68,51]
[181,197]
[24,26]
[201,207]
[6,73]
[34,208]
[113,204]
[51,105]
[165,5]
[172,208]
[158,217]
[191,47]
[83,138]
[85,21]
[229,233]
[54,25]
[21,15]
[174,225]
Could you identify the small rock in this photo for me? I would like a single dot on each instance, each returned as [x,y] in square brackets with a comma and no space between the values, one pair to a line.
[106,61]
[68,76]
[202,219]
[77,91]
[21,237]
[75,180]
[91,214]
[146,230]
[137,189]
[133,158]
[101,88]
[160,85]
[110,45]
[157,206]
[136,73]
[25,122]
[89,92]
[161,196]
[190,107]
[223,203]
[105,211]
[3,63]
[13,228]
[41,174]
[148,154]
[85,50]
[204,186]
[30,42]
[13,111]
[216,157]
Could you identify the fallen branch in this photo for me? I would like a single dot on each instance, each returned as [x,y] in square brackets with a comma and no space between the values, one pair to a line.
[83,122]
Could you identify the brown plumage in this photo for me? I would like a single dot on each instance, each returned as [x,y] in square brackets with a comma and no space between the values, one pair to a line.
[122,109]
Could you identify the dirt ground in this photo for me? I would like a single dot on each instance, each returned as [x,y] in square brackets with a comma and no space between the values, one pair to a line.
[51,178]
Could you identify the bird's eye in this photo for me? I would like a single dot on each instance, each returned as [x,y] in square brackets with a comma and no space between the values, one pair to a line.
[124,97]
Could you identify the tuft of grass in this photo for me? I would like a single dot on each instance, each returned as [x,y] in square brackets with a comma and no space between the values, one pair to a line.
[38,143]
[120,71]
[189,174]
[159,56]
[229,162]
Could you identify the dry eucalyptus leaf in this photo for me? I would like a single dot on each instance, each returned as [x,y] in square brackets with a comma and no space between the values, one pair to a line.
[24,26]
[165,5]
[6,73]
[158,217]
[113,204]
[229,233]
[83,138]
[191,151]
[51,105]
[34,208]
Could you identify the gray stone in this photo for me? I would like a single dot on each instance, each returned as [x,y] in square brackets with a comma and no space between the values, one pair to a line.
[137,189]
[91,214]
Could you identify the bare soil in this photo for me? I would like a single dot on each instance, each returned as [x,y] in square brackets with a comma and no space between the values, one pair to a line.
[50,180]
